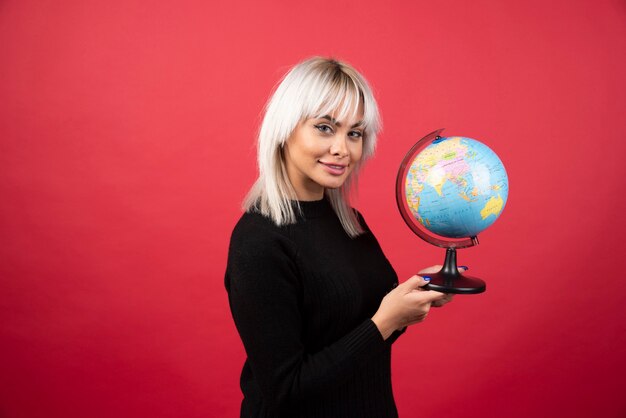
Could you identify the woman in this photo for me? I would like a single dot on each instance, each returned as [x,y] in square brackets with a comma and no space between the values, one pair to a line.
[314,298]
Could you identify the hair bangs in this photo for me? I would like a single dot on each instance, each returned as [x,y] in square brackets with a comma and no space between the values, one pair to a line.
[339,98]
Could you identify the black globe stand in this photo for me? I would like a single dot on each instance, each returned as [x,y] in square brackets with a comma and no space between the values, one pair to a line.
[449,280]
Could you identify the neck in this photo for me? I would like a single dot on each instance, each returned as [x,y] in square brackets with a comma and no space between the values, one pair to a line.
[308,194]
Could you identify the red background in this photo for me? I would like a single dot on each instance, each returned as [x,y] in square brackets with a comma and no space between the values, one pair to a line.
[127,143]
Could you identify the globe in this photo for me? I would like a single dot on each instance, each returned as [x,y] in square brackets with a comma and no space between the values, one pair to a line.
[448,190]
[456,187]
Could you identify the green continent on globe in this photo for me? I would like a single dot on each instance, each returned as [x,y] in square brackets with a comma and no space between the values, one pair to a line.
[456,187]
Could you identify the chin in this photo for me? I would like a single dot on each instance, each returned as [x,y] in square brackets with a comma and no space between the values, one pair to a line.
[333,185]
[332,182]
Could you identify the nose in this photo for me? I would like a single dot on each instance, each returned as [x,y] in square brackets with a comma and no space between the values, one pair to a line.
[338,147]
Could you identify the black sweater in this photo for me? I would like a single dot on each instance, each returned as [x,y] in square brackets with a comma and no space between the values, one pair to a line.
[302,296]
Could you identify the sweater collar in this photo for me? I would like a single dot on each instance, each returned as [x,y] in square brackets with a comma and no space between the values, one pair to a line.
[313,208]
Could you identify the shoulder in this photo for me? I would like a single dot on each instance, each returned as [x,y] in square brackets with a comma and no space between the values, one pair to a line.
[257,236]
[255,227]
[260,253]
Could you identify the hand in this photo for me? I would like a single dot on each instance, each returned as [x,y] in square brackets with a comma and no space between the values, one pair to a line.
[448,296]
[405,305]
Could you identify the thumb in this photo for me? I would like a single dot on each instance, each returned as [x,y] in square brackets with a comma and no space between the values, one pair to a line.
[432,269]
[414,282]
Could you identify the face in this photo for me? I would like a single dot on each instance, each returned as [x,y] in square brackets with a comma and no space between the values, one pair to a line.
[322,152]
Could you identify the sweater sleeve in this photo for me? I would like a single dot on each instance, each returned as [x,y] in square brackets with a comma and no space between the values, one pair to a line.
[396,334]
[262,284]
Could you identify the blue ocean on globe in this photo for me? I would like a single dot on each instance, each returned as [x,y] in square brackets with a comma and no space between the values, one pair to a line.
[456,187]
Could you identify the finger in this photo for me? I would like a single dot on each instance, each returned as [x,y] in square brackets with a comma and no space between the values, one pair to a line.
[431,269]
[410,283]
[462,269]
[438,303]
[432,295]
[446,299]
[427,296]
[413,283]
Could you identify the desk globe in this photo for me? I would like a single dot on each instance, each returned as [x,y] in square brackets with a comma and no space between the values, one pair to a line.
[448,190]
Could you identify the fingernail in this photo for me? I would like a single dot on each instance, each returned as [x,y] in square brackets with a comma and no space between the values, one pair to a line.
[427,278]
[464,267]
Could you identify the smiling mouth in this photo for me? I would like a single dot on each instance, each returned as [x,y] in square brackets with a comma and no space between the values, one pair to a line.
[335,166]
[334,169]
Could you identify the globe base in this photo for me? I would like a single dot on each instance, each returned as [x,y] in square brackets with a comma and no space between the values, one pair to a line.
[459,285]
[449,280]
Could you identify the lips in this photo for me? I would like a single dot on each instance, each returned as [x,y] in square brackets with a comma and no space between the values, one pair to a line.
[335,169]
[336,166]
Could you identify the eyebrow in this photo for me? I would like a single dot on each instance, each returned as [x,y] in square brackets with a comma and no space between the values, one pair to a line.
[334,121]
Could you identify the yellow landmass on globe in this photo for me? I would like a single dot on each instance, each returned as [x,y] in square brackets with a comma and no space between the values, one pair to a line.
[492,207]
[473,193]
[439,185]
[443,150]
[414,204]
[436,177]
[416,186]
[465,197]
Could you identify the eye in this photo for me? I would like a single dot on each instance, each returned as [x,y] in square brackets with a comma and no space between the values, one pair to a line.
[356,134]
[324,128]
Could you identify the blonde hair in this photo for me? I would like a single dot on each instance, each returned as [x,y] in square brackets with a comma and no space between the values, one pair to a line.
[312,88]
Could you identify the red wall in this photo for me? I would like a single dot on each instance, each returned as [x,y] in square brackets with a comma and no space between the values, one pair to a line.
[127,143]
